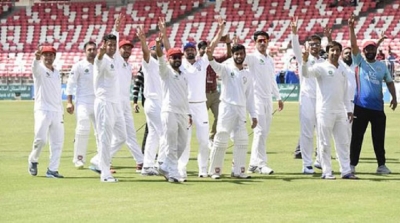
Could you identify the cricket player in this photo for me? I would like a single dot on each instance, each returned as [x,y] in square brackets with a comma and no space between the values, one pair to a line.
[307,113]
[236,95]
[369,104]
[175,115]
[80,84]
[48,111]
[196,74]
[333,109]
[262,68]
[107,106]
[154,96]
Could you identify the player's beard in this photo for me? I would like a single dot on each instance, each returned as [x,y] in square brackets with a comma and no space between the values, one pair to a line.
[238,61]
[348,61]
[190,56]
[370,56]
[176,64]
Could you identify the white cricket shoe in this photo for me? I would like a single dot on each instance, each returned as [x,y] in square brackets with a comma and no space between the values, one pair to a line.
[79,164]
[308,170]
[215,176]
[109,180]
[241,176]
[149,171]
[265,170]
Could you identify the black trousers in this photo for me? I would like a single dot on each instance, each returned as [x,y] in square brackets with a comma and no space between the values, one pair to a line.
[378,127]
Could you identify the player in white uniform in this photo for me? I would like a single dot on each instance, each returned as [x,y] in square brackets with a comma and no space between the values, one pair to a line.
[308,119]
[175,114]
[262,68]
[48,112]
[107,108]
[80,84]
[154,96]
[196,74]
[332,105]
[236,95]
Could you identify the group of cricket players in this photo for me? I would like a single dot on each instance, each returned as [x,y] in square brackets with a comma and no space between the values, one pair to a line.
[174,88]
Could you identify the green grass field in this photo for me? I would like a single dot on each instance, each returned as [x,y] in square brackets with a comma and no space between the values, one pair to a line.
[285,196]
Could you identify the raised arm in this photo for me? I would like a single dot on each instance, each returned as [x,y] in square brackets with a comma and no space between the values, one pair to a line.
[295,41]
[217,67]
[221,27]
[163,29]
[382,37]
[353,39]
[145,49]
[308,71]
[328,34]
[228,43]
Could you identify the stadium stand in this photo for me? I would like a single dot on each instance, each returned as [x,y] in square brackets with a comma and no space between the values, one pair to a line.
[68,25]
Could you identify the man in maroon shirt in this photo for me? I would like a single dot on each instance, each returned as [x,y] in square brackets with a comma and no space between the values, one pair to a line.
[212,93]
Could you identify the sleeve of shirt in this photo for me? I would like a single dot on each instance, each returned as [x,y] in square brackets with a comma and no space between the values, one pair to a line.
[36,68]
[311,71]
[205,61]
[357,58]
[297,49]
[218,68]
[387,77]
[275,89]
[163,67]
[250,99]
[221,59]
[72,80]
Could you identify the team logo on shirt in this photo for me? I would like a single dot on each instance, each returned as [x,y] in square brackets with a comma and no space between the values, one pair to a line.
[244,80]
[262,61]
[176,76]
[330,73]
[312,62]
[124,65]
[86,70]
[47,74]
[232,74]
[112,66]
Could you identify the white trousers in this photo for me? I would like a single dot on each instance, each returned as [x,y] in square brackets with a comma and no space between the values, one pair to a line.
[51,124]
[84,116]
[264,117]
[125,132]
[200,120]
[154,141]
[231,121]
[107,114]
[175,128]
[308,122]
[336,125]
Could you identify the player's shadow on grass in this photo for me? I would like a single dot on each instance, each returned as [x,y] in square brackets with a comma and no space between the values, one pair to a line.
[373,160]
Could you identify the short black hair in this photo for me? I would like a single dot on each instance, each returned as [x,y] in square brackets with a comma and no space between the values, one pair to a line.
[238,47]
[315,36]
[332,44]
[108,37]
[260,33]
[89,43]
[202,44]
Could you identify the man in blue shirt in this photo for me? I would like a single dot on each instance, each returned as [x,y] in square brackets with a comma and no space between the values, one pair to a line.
[368,101]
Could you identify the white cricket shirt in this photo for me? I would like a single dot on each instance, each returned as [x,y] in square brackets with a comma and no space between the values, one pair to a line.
[124,73]
[308,86]
[351,81]
[105,79]
[80,82]
[196,75]
[263,70]
[175,89]
[236,86]
[332,86]
[47,86]
[152,82]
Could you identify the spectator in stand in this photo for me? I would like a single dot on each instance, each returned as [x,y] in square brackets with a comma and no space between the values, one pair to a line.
[380,56]
[391,60]
[288,76]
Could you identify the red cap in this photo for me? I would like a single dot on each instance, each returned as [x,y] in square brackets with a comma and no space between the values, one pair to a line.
[124,42]
[48,49]
[152,44]
[369,42]
[174,51]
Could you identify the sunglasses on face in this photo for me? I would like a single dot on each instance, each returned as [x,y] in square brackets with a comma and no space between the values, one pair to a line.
[262,41]
[315,44]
